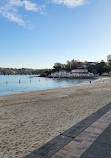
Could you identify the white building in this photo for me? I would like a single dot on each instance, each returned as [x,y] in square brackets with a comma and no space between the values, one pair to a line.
[105,74]
[80,72]
[55,75]
[60,74]
[109,60]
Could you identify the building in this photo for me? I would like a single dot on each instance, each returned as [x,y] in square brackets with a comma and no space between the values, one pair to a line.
[80,72]
[109,60]
[55,74]
[105,74]
[60,74]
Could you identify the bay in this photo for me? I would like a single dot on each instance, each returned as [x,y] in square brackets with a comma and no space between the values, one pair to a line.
[11,84]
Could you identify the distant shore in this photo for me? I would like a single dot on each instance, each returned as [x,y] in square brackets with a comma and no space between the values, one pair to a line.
[28,120]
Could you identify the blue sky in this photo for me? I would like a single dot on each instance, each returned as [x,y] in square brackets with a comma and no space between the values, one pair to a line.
[39,33]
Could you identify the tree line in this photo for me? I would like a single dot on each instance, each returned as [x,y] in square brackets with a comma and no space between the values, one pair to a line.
[96,67]
[22,71]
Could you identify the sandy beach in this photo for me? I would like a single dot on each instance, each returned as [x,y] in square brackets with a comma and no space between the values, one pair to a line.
[28,120]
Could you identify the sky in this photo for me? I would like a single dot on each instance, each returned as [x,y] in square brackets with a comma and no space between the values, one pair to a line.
[38,33]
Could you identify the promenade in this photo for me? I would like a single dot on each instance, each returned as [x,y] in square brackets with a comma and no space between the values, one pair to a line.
[93,142]
[90,138]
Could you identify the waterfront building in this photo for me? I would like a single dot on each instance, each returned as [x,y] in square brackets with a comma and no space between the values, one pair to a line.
[55,74]
[60,74]
[109,60]
[79,72]
[105,74]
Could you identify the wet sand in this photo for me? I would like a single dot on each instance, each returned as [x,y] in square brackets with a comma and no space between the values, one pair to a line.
[28,120]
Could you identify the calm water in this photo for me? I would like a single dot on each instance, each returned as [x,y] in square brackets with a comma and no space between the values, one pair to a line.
[10,84]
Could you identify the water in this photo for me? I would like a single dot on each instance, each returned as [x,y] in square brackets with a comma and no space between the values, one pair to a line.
[11,84]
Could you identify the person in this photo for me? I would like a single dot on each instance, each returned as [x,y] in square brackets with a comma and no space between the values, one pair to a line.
[90,82]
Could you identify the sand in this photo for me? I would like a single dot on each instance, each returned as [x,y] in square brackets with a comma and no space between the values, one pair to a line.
[29,120]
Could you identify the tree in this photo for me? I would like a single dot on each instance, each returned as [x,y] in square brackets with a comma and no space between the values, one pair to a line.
[100,67]
[57,66]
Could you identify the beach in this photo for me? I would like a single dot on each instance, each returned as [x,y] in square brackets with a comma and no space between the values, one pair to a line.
[28,120]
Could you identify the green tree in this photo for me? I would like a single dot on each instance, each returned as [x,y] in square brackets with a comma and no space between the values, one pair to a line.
[57,66]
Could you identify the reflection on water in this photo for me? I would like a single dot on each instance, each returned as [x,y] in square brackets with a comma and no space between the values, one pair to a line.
[10,84]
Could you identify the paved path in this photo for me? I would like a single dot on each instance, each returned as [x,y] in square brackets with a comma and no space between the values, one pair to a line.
[101,148]
[90,138]
[93,142]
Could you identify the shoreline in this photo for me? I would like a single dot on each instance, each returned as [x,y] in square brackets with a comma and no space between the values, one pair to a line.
[92,81]
[29,120]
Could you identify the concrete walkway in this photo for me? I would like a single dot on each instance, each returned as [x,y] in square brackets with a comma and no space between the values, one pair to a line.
[90,138]
[86,140]
[101,148]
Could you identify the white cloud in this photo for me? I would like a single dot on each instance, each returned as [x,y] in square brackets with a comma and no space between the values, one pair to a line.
[18,3]
[30,6]
[14,18]
[9,12]
[25,3]
[10,9]
[70,3]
